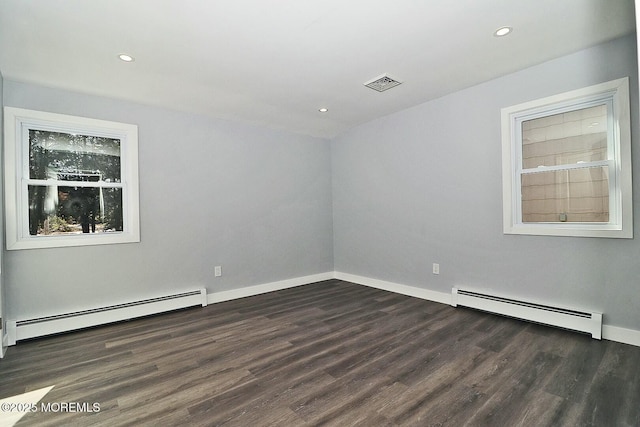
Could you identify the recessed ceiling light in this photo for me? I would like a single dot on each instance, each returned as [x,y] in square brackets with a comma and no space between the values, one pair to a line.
[126,58]
[502,31]
[323,110]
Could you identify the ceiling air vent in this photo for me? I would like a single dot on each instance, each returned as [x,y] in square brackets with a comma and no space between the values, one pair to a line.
[382,83]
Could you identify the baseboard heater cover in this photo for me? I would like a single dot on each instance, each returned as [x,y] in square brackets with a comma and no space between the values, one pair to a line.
[582,321]
[41,326]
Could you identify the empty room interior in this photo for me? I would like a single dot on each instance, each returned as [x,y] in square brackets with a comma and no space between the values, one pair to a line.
[262,213]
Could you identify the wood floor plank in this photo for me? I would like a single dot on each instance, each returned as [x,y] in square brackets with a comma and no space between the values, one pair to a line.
[507,405]
[331,353]
[615,379]
[577,371]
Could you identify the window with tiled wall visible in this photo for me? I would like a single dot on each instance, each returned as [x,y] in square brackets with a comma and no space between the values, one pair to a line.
[572,195]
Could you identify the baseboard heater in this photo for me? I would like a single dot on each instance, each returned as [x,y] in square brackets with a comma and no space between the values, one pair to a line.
[582,321]
[41,326]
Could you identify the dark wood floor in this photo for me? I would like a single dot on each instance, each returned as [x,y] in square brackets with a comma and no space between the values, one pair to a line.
[331,353]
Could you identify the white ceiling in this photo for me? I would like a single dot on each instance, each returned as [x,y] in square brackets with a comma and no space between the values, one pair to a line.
[275,62]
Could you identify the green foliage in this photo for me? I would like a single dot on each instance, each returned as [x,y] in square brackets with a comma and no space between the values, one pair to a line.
[59,224]
[56,224]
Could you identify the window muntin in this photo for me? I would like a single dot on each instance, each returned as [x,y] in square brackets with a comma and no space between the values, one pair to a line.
[71,181]
[566,164]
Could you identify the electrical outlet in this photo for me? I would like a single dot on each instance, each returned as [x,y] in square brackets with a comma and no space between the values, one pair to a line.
[217,271]
[436,268]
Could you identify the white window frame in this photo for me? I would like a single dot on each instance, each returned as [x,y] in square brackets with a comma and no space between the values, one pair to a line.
[620,224]
[17,122]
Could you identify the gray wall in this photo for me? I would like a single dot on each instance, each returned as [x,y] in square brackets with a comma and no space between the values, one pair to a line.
[424,186]
[255,201]
[3,301]
[410,189]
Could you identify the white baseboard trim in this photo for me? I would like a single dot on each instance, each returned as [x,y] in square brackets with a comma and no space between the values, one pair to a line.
[248,291]
[94,316]
[4,343]
[626,336]
[611,333]
[11,332]
[412,291]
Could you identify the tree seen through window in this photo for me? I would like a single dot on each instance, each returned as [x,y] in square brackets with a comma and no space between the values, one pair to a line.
[69,195]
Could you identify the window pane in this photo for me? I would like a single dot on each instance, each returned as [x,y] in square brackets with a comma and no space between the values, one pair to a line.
[73,157]
[574,195]
[58,210]
[566,138]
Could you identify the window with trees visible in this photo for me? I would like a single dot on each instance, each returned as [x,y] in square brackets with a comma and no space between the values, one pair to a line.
[70,181]
[567,164]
